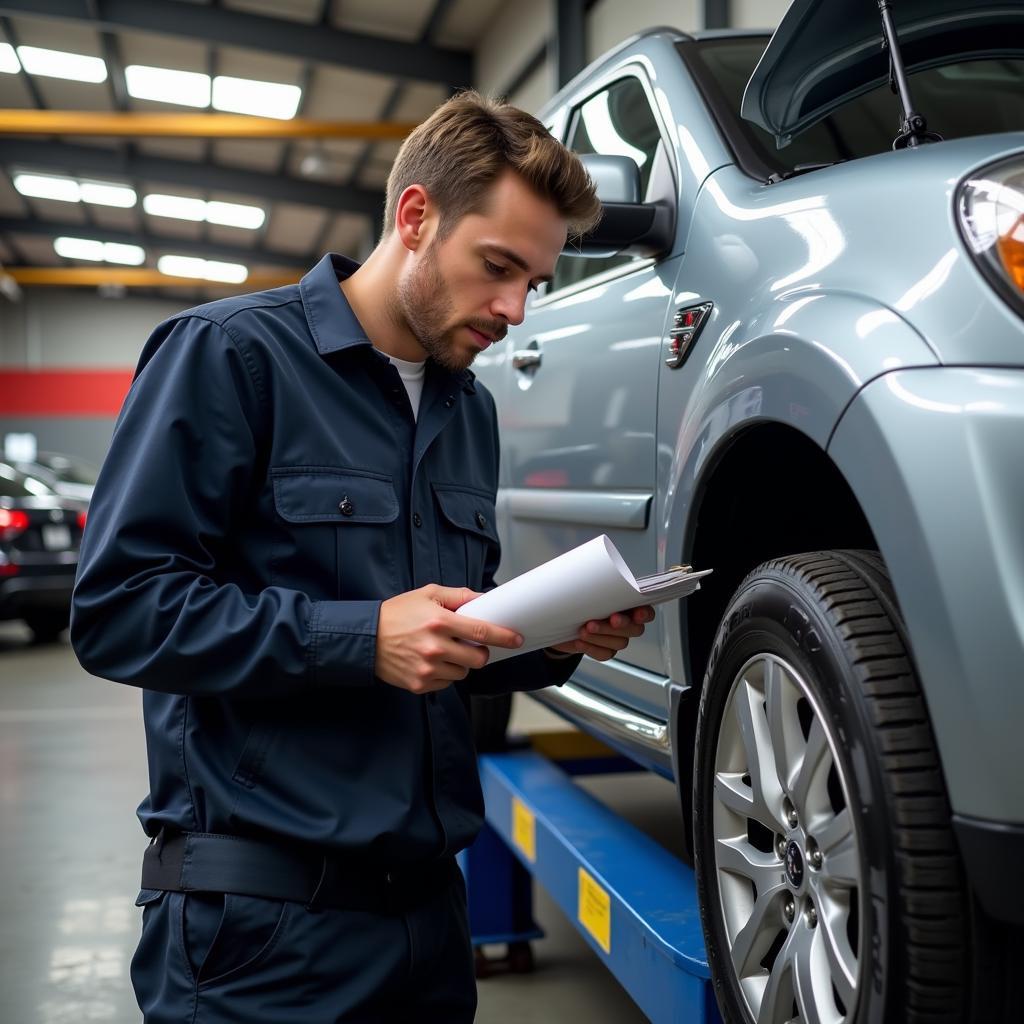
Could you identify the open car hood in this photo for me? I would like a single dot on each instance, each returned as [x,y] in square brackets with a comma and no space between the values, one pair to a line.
[827,52]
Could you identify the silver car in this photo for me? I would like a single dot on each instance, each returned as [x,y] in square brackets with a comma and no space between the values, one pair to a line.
[803,367]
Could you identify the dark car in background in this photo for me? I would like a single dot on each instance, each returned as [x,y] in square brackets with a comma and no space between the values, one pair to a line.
[40,535]
[66,474]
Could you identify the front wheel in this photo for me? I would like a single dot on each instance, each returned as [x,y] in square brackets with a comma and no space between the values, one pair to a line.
[829,881]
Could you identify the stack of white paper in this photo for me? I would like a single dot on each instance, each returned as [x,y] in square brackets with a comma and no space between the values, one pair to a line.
[549,604]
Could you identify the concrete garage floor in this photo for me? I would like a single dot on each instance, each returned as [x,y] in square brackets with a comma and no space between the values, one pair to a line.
[72,770]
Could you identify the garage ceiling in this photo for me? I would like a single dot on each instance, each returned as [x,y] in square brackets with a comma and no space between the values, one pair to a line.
[316,193]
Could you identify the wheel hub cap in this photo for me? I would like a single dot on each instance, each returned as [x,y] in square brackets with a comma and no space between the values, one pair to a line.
[791,896]
[794,866]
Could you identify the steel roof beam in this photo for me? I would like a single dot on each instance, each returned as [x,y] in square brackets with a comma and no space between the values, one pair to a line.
[716,13]
[137,277]
[135,124]
[65,158]
[215,25]
[568,40]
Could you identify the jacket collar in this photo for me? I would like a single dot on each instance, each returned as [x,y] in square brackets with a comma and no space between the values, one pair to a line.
[332,322]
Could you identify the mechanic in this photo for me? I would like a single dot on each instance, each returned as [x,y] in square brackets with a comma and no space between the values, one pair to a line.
[299,493]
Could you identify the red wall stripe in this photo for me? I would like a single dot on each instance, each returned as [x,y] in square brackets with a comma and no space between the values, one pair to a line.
[63,392]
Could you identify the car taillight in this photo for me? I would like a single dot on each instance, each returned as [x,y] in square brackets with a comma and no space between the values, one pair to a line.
[12,522]
[81,520]
[991,211]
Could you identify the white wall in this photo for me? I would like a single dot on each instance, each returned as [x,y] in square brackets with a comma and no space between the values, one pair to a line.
[88,438]
[535,91]
[756,13]
[611,21]
[73,330]
[522,27]
[518,31]
[77,329]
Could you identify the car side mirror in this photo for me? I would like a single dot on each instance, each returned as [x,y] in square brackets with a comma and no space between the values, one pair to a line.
[628,225]
[616,178]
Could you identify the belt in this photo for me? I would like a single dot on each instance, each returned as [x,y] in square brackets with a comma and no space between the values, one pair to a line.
[205,862]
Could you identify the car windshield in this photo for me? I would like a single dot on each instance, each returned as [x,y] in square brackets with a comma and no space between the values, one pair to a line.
[968,98]
[20,485]
[71,471]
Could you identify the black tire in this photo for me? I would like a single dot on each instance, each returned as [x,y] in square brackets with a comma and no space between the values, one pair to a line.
[833,617]
[47,626]
[490,717]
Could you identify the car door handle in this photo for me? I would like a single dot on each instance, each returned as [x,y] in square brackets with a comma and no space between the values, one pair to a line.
[526,359]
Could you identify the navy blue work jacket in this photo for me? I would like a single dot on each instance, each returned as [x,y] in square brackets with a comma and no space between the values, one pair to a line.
[266,488]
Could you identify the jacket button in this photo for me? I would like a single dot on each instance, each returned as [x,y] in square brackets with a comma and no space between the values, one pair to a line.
[481,520]
[417,520]
[345,507]
[449,401]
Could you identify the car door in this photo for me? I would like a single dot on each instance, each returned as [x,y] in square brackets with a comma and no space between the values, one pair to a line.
[579,412]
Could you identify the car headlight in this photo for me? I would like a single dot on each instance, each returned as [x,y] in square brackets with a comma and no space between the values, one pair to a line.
[991,212]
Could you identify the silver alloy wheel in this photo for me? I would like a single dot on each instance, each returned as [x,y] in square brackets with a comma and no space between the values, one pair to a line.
[787,851]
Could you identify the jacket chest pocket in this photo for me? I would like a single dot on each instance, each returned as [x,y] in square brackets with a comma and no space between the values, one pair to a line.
[466,529]
[340,530]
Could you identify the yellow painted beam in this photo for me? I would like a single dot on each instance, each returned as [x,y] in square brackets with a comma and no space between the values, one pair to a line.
[204,126]
[136,277]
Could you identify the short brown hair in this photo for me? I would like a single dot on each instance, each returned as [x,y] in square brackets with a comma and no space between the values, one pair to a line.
[468,142]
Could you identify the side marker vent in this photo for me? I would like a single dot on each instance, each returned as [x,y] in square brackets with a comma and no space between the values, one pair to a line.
[687,326]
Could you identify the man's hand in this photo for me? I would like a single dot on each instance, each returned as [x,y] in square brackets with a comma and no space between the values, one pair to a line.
[603,640]
[419,639]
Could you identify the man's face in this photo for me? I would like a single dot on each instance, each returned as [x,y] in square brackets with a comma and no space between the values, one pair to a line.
[459,295]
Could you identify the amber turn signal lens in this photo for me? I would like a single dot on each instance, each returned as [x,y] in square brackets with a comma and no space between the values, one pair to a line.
[990,208]
[1010,246]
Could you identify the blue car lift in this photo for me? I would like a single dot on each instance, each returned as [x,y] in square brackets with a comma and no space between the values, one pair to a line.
[633,902]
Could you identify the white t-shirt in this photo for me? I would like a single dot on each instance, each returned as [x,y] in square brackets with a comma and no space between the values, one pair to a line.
[412,374]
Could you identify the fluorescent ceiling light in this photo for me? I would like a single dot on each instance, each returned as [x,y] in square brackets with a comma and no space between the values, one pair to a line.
[67,190]
[99,252]
[9,63]
[181,207]
[48,186]
[128,255]
[235,215]
[232,273]
[246,96]
[75,67]
[181,266]
[209,270]
[79,249]
[107,193]
[186,88]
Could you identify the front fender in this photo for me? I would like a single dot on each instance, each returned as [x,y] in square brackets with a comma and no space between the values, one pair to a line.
[799,363]
[933,457]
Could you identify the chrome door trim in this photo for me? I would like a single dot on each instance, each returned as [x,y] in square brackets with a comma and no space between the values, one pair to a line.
[646,738]
[623,510]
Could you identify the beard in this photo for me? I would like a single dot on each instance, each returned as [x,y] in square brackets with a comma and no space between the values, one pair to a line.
[423,304]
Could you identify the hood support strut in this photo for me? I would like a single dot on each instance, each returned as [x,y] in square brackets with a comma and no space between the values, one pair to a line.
[914,128]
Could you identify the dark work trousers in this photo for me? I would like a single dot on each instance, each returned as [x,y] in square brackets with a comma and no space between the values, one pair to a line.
[206,958]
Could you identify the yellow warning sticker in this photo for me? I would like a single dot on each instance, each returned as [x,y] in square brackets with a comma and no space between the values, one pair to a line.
[524,831]
[595,911]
